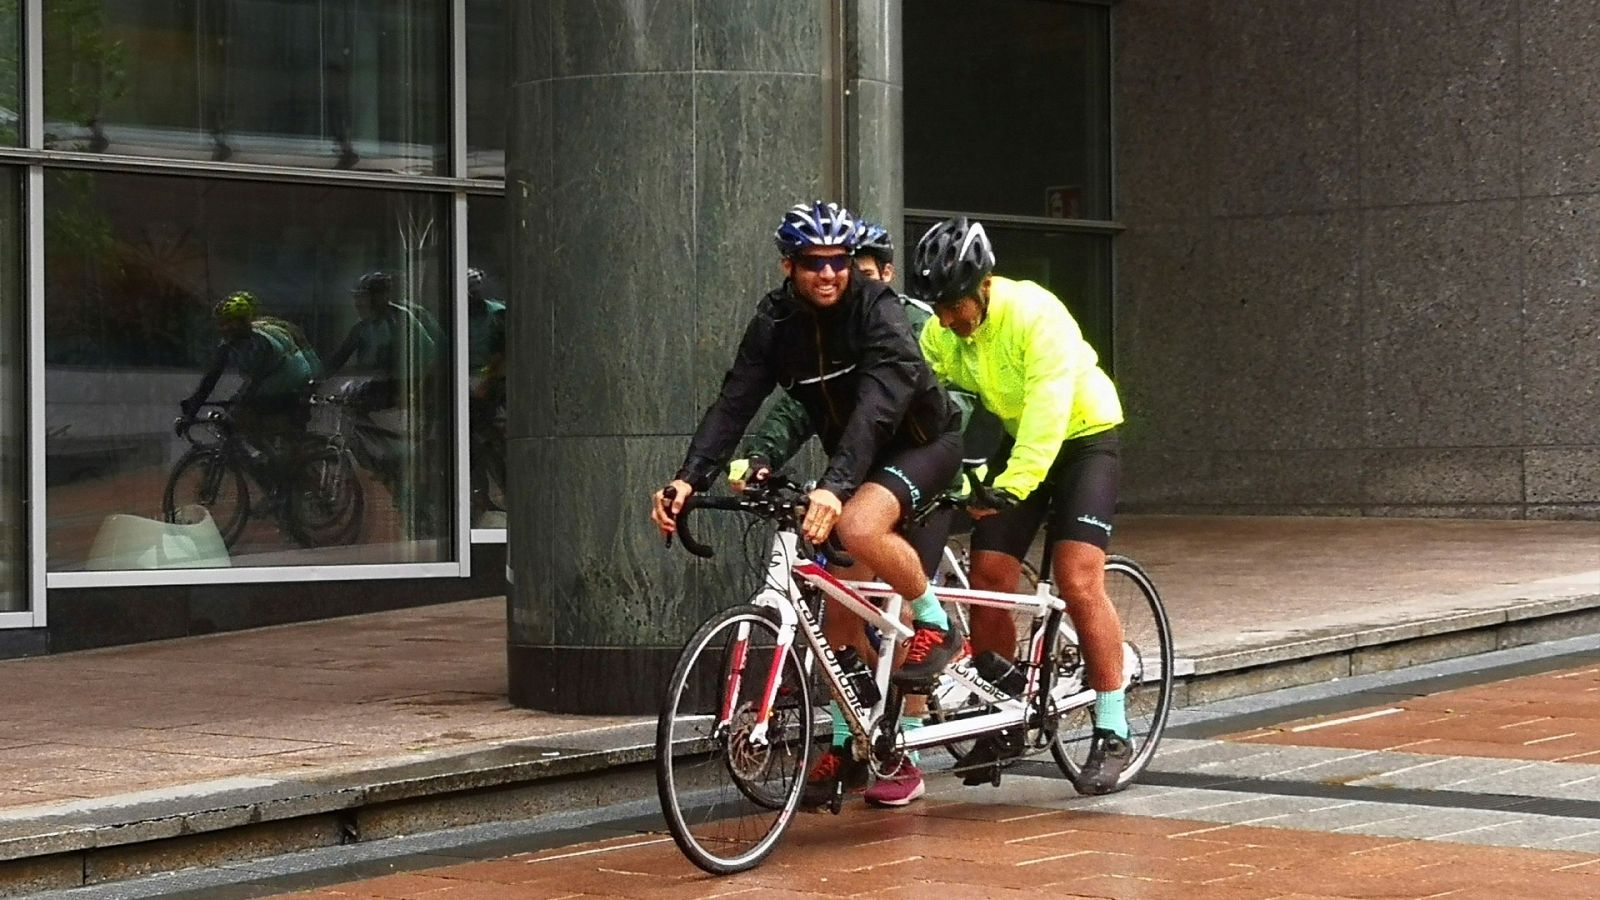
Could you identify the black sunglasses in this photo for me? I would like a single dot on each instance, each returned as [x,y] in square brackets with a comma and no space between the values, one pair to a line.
[817,263]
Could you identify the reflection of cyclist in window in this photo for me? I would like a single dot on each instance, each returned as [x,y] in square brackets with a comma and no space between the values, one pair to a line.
[375,341]
[271,408]
[841,345]
[486,361]
[397,344]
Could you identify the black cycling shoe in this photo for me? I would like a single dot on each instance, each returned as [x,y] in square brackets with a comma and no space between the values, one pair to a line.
[837,772]
[979,765]
[1109,755]
[931,648]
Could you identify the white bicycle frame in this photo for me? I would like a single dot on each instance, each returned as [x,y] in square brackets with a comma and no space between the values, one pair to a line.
[787,572]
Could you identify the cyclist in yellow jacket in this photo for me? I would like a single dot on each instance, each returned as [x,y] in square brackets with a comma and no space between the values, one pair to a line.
[1014,344]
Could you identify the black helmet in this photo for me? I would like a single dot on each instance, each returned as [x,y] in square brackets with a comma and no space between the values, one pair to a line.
[873,240]
[375,284]
[815,224]
[951,261]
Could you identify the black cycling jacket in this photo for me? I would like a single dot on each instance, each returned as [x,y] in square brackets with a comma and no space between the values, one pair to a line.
[856,369]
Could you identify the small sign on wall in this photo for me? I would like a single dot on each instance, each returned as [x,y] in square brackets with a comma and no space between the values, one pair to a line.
[1063,201]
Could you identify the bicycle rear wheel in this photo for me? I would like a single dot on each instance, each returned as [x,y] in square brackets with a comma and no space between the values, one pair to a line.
[1147,660]
[208,478]
[326,501]
[727,792]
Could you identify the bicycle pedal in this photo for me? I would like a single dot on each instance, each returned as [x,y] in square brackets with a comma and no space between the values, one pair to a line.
[994,777]
[836,803]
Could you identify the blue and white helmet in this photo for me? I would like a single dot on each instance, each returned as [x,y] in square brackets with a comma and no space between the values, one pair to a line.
[874,240]
[815,224]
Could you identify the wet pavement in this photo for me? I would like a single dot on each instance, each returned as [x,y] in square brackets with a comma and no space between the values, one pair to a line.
[1357,802]
[343,694]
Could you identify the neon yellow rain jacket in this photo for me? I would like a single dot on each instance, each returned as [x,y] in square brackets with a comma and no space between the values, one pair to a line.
[1029,364]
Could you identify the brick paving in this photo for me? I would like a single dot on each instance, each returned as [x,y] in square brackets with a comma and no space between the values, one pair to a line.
[1554,716]
[1033,837]
[953,849]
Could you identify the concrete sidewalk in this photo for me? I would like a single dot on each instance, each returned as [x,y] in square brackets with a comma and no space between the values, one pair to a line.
[353,729]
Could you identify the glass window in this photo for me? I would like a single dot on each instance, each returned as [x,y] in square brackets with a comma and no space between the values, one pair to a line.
[486,356]
[349,85]
[10,72]
[1074,266]
[1007,107]
[186,321]
[13,402]
[487,83]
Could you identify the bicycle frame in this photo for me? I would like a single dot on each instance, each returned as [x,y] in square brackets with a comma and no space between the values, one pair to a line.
[787,573]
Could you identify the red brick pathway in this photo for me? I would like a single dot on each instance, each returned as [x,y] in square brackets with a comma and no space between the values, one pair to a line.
[1553,716]
[955,850]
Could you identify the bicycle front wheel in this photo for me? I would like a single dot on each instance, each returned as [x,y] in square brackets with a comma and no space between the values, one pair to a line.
[209,478]
[1147,660]
[729,782]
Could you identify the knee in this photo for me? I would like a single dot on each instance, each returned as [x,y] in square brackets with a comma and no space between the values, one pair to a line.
[853,529]
[1081,582]
[992,575]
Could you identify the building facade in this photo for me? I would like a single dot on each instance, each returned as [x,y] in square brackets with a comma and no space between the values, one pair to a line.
[162,155]
[1337,254]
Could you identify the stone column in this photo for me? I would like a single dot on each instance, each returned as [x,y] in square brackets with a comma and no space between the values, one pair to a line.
[653,147]
[874,118]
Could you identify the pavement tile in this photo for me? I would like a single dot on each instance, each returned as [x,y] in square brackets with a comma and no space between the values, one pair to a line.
[1129,886]
[1118,824]
[407,886]
[1162,846]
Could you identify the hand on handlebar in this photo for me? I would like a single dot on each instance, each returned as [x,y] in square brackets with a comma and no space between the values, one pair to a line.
[664,510]
[987,501]
[741,472]
[822,511]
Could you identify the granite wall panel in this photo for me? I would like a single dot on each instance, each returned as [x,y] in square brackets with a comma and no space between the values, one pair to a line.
[1439,113]
[1284,119]
[1561,326]
[1445,355]
[1442,308]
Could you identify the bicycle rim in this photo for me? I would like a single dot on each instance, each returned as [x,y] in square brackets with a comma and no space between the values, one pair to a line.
[206,478]
[1148,662]
[328,504]
[728,799]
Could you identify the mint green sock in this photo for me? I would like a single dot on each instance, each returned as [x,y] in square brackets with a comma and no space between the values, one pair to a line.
[841,728]
[927,609]
[909,724]
[1111,713]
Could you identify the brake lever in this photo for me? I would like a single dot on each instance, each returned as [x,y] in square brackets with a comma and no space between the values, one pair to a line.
[668,494]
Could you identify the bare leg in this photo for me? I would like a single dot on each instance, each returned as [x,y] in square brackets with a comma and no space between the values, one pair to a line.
[1080,571]
[867,528]
[993,629]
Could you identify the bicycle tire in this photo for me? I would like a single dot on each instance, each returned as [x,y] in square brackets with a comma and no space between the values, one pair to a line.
[1149,693]
[706,819]
[327,504]
[216,472]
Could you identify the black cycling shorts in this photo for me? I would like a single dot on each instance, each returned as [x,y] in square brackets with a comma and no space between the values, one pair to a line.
[916,475]
[1079,495]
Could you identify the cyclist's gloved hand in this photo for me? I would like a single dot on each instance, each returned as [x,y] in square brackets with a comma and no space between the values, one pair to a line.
[189,406]
[742,471]
[988,500]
